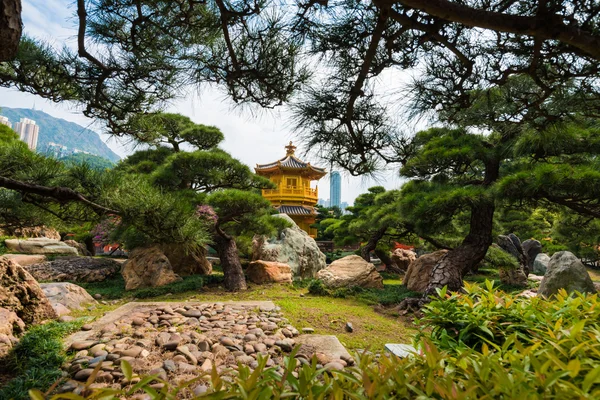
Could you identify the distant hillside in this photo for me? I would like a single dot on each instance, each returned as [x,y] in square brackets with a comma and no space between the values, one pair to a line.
[62,132]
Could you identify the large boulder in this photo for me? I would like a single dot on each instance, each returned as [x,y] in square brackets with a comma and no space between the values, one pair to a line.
[187,261]
[292,246]
[65,297]
[403,257]
[148,267]
[350,271]
[80,247]
[512,245]
[74,269]
[21,294]
[26,259]
[10,327]
[540,264]
[418,273]
[531,248]
[565,271]
[39,246]
[269,271]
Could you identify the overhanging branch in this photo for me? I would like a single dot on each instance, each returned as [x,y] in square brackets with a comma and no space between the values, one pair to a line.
[61,194]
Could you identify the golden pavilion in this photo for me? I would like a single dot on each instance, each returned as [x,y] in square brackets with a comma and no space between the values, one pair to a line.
[294,196]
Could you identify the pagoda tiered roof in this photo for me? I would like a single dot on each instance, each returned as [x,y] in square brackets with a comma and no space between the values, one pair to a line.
[291,163]
[295,210]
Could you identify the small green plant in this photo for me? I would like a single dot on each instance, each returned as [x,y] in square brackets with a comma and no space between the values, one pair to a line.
[317,288]
[36,359]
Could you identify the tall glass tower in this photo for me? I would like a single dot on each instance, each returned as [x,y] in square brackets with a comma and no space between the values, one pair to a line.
[335,189]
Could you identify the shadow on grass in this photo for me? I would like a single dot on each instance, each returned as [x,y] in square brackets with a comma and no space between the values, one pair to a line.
[114,288]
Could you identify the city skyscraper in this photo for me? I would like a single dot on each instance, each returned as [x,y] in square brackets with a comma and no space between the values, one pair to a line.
[28,132]
[5,121]
[335,189]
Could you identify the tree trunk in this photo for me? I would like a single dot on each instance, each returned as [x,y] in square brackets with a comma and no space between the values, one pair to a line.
[452,267]
[365,251]
[390,265]
[10,28]
[230,261]
[89,245]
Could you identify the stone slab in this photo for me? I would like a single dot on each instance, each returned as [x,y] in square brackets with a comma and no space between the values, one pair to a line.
[131,307]
[400,350]
[326,344]
[26,259]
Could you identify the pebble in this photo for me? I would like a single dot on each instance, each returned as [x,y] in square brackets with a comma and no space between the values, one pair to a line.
[169,365]
[87,327]
[83,345]
[83,374]
[349,327]
[189,339]
[334,366]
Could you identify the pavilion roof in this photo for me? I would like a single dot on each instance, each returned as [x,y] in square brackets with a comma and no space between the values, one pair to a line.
[290,162]
[295,210]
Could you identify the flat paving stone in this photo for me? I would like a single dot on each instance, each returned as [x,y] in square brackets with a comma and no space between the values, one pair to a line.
[400,350]
[329,345]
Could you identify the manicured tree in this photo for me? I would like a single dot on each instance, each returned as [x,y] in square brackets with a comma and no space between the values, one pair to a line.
[455,170]
[234,213]
[204,176]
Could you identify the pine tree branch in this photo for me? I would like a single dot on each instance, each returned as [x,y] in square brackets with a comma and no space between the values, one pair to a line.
[547,26]
[61,194]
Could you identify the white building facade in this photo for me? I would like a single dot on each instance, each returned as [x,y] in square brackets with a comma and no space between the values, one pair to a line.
[28,132]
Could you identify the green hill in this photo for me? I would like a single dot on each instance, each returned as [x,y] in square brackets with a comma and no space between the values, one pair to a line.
[62,132]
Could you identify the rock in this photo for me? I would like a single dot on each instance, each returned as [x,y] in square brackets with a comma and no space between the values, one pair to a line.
[403,257]
[10,323]
[75,269]
[261,272]
[531,248]
[308,330]
[97,296]
[418,273]
[21,294]
[351,271]
[334,366]
[565,271]
[291,246]
[513,276]
[207,365]
[33,232]
[82,345]
[200,390]
[169,366]
[512,245]
[83,374]
[540,264]
[187,261]
[80,247]
[66,297]
[349,327]
[26,259]
[87,327]
[148,267]
[39,246]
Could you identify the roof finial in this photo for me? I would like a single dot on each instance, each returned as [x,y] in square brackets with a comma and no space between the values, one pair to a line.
[290,149]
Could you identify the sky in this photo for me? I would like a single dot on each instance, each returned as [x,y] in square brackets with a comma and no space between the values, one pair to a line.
[254,137]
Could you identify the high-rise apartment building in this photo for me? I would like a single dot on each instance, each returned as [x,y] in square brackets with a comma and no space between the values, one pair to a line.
[28,132]
[335,189]
[5,121]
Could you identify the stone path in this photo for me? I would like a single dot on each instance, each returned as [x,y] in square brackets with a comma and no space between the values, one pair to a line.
[182,341]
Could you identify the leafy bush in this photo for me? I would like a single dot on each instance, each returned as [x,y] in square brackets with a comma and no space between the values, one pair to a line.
[483,316]
[37,359]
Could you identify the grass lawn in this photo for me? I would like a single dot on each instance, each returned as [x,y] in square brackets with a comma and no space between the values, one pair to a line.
[327,315]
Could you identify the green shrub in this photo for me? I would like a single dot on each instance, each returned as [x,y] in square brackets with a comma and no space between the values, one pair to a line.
[317,288]
[36,359]
[483,316]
